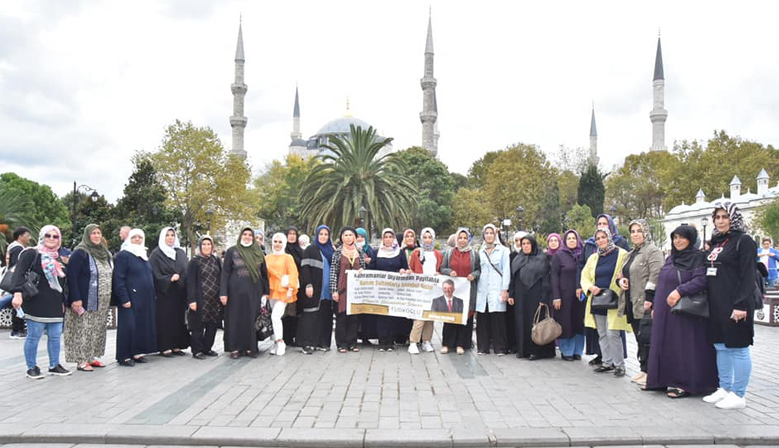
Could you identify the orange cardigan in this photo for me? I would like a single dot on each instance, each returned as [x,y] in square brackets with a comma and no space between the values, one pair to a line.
[416,266]
[278,266]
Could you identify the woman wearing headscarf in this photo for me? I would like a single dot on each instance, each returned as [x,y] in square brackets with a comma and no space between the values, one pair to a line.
[346,258]
[169,265]
[424,260]
[403,326]
[638,279]
[368,328]
[204,273]
[682,356]
[568,309]
[731,281]
[315,327]
[283,281]
[90,271]
[389,258]
[136,329]
[364,245]
[461,261]
[290,318]
[511,331]
[553,244]
[259,235]
[529,287]
[243,284]
[492,294]
[600,273]
[44,311]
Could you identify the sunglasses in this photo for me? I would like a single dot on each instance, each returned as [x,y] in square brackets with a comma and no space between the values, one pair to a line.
[50,236]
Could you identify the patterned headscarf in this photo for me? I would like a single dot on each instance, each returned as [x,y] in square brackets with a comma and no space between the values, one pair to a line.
[644,229]
[610,247]
[422,235]
[736,220]
[388,251]
[49,257]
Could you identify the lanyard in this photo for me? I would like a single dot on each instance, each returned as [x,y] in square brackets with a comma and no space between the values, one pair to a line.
[717,250]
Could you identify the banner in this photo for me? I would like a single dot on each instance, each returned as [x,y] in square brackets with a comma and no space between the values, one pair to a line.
[415,296]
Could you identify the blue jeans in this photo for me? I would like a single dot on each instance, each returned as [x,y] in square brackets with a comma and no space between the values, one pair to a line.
[5,300]
[572,346]
[34,333]
[735,367]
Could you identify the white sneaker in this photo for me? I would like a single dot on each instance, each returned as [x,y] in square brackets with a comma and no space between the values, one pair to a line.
[717,396]
[732,401]
[427,347]
[281,347]
[413,349]
[272,351]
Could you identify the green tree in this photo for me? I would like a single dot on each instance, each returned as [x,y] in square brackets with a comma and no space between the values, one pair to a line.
[591,190]
[477,174]
[278,191]
[459,180]
[471,210]
[99,211]
[580,218]
[575,160]
[638,188]
[201,177]
[356,176]
[14,212]
[435,187]
[45,206]
[767,219]
[568,184]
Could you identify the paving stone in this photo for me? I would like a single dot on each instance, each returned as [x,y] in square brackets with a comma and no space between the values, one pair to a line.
[320,438]
[236,436]
[529,436]
[379,438]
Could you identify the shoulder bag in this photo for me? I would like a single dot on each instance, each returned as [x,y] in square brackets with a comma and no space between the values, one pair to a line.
[545,331]
[695,305]
[263,324]
[606,299]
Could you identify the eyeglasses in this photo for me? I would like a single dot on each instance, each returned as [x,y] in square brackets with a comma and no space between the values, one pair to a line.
[53,237]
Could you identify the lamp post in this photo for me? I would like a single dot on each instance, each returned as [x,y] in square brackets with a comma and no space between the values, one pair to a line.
[613,210]
[363,215]
[209,215]
[519,212]
[704,223]
[77,189]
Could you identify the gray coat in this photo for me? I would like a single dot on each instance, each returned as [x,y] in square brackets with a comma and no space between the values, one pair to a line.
[647,262]
[475,272]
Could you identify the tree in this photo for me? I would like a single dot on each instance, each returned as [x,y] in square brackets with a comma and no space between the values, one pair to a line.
[459,180]
[200,177]
[14,212]
[477,174]
[435,187]
[88,211]
[277,189]
[471,210]
[767,219]
[45,207]
[568,184]
[638,188]
[353,175]
[580,218]
[591,190]
[575,160]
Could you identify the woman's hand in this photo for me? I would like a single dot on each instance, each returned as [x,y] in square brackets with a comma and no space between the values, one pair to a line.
[289,293]
[193,306]
[578,293]
[594,290]
[17,300]
[453,274]
[127,304]
[309,291]
[673,298]
[557,303]
[335,296]
[504,296]
[624,284]
[174,278]
[76,305]
[470,278]
[738,315]
[223,299]
[511,301]
[647,306]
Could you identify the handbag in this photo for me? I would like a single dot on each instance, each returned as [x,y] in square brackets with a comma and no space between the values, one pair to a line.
[263,324]
[695,305]
[31,279]
[545,331]
[7,281]
[606,299]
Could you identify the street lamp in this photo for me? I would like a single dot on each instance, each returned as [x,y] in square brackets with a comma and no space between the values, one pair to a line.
[519,212]
[613,211]
[77,189]
[704,223]
[363,215]
[209,215]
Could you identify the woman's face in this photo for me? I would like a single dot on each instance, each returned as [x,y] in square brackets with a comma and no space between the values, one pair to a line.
[292,237]
[408,239]
[51,239]
[427,238]
[680,242]
[766,244]
[570,241]
[526,247]
[170,238]
[348,238]
[278,244]
[601,240]
[489,235]
[554,243]
[260,238]
[722,221]
[360,238]
[206,248]
[136,239]
[462,239]
[388,239]
[96,237]
[603,223]
[323,236]
[636,234]
[247,237]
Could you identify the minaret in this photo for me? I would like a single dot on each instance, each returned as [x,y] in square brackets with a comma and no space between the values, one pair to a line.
[238,120]
[436,134]
[428,116]
[593,139]
[296,119]
[658,114]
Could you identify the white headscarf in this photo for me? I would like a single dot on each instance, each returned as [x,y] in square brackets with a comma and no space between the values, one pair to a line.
[304,241]
[422,237]
[169,251]
[388,252]
[521,234]
[139,250]
[495,230]
[283,247]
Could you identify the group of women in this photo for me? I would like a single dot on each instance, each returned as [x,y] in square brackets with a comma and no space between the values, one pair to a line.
[168,303]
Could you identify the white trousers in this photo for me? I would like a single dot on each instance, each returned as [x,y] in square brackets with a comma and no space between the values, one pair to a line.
[277,307]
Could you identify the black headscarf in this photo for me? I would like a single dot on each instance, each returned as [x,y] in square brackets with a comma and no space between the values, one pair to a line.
[690,258]
[531,267]
[294,249]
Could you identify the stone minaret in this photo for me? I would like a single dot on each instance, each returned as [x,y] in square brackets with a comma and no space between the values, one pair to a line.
[296,119]
[593,139]
[658,114]
[428,116]
[436,134]
[238,120]
[762,182]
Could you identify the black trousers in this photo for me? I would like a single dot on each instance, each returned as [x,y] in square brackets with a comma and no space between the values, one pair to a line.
[324,324]
[458,335]
[202,333]
[307,328]
[290,324]
[642,353]
[491,331]
[346,330]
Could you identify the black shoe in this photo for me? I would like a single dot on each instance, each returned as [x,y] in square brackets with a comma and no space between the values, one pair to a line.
[323,349]
[212,353]
[596,361]
[235,355]
[58,370]
[140,360]
[35,373]
[127,363]
[251,354]
[619,372]
[178,353]
[567,358]
[18,334]
[577,357]
[199,356]
[532,357]
[307,350]
[603,368]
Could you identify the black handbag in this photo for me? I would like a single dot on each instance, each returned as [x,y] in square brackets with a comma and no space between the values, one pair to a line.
[606,299]
[695,305]
[263,324]
[31,279]
[8,280]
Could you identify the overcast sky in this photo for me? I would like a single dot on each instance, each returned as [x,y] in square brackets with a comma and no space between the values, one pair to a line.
[85,84]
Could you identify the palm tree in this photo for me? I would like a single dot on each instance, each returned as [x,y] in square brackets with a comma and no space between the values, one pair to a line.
[355,176]
[14,212]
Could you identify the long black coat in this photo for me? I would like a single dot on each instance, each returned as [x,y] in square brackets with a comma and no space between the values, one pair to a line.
[311,268]
[171,299]
[136,327]
[570,316]
[527,300]
[243,302]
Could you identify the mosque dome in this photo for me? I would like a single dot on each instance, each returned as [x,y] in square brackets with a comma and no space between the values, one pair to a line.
[342,126]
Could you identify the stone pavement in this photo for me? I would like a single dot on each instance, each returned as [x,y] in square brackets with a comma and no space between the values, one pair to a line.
[371,399]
